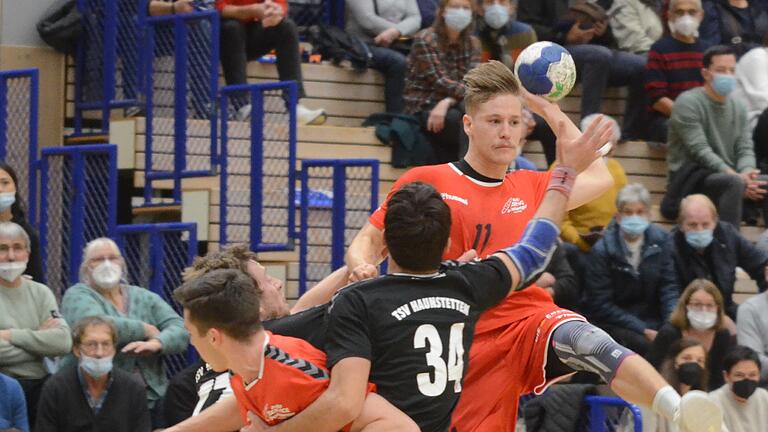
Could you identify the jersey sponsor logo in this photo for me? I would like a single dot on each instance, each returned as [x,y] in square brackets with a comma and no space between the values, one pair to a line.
[449,197]
[514,205]
[425,303]
[277,412]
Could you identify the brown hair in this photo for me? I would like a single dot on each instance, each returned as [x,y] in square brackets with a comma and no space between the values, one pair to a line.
[439,24]
[223,299]
[667,369]
[487,81]
[78,330]
[679,317]
[233,257]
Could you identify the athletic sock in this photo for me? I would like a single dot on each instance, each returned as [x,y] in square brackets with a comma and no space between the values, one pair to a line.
[666,402]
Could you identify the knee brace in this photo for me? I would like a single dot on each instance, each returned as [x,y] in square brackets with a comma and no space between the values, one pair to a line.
[584,347]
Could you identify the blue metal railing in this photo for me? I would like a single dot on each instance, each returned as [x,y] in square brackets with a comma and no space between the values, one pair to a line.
[337,196]
[19,92]
[78,204]
[258,159]
[601,421]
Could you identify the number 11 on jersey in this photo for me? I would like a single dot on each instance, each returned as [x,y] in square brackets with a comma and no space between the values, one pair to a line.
[444,372]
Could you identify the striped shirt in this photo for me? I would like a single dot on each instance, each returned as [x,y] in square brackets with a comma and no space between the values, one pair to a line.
[672,68]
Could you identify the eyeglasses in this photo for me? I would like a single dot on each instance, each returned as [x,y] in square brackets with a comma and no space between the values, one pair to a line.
[679,13]
[94,346]
[17,248]
[709,307]
[113,258]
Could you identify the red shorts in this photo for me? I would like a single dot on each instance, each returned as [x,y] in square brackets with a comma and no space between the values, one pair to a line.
[508,359]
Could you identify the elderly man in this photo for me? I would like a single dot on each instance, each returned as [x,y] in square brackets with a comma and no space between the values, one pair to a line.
[631,286]
[30,325]
[707,248]
[147,326]
[92,395]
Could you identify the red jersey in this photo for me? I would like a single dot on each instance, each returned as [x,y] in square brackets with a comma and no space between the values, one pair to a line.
[292,376]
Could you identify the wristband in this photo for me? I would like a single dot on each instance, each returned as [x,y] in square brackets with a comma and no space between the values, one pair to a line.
[562,180]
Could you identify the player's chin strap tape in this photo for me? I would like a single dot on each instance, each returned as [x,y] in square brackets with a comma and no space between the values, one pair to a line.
[534,251]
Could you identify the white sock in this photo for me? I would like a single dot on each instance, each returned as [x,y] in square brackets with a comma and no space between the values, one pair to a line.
[666,402]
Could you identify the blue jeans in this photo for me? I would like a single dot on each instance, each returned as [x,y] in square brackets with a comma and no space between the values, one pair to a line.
[600,67]
[393,65]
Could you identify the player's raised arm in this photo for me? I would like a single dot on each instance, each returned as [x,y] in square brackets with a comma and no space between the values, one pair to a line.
[529,257]
[364,253]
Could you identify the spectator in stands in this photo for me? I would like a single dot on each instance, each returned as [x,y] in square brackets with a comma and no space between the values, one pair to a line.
[752,328]
[30,325]
[582,27]
[92,395]
[674,65]
[13,408]
[147,326]
[382,24]
[440,57]
[752,92]
[741,24]
[252,28]
[12,210]
[636,24]
[710,249]
[710,149]
[630,285]
[744,404]
[699,315]
[427,9]
[501,35]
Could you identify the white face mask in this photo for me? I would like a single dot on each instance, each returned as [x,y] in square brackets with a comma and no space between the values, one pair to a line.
[701,320]
[107,275]
[10,271]
[6,200]
[686,25]
[496,16]
[96,367]
[457,19]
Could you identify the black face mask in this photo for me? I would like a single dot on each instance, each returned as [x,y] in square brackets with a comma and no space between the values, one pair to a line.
[744,388]
[690,373]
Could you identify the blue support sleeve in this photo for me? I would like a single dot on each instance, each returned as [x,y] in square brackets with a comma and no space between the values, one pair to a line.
[533,252]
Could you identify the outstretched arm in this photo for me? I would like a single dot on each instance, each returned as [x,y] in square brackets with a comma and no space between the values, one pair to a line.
[365,252]
[323,291]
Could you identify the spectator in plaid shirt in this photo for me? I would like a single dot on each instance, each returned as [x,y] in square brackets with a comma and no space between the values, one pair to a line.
[434,90]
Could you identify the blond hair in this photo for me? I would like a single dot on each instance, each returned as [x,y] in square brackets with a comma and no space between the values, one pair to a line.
[487,81]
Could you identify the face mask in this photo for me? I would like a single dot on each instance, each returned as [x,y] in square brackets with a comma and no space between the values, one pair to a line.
[96,367]
[699,239]
[690,373]
[687,26]
[744,388]
[9,271]
[701,320]
[457,19]
[723,84]
[6,200]
[107,274]
[634,225]
[496,16]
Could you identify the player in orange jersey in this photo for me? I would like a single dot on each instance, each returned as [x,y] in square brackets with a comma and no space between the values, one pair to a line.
[526,342]
[275,377]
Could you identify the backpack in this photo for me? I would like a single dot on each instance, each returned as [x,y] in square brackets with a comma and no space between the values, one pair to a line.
[336,45]
[61,26]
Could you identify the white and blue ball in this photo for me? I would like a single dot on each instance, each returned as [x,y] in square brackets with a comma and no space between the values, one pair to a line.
[546,69]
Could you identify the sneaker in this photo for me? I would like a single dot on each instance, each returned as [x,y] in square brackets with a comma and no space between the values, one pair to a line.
[306,116]
[244,113]
[697,413]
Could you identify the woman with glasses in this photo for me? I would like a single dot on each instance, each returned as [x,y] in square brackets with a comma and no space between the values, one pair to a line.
[699,315]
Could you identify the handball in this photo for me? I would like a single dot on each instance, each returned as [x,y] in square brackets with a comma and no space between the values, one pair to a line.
[546,69]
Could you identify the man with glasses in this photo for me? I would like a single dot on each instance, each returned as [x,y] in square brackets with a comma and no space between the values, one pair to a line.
[93,395]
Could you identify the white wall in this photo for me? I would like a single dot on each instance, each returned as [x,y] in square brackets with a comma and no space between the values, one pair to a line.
[18,21]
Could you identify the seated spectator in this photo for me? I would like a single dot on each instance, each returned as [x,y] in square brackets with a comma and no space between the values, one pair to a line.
[705,248]
[501,35]
[674,65]
[30,325]
[752,328]
[744,404]
[92,395]
[252,28]
[584,225]
[636,24]
[583,28]
[700,316]
[13,408]
[380,23]
[630,284]
[752,92]
[440,57]
[710,148]
[12,210]
[147,326]
[741,24]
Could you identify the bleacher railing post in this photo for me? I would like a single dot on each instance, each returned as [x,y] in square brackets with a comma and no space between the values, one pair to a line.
[257,162]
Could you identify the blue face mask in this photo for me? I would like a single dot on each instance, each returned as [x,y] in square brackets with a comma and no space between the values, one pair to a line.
[723,84]
[6,200]
[634,225]
[96,367]
[458,19]
[496,16]
[699,239]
